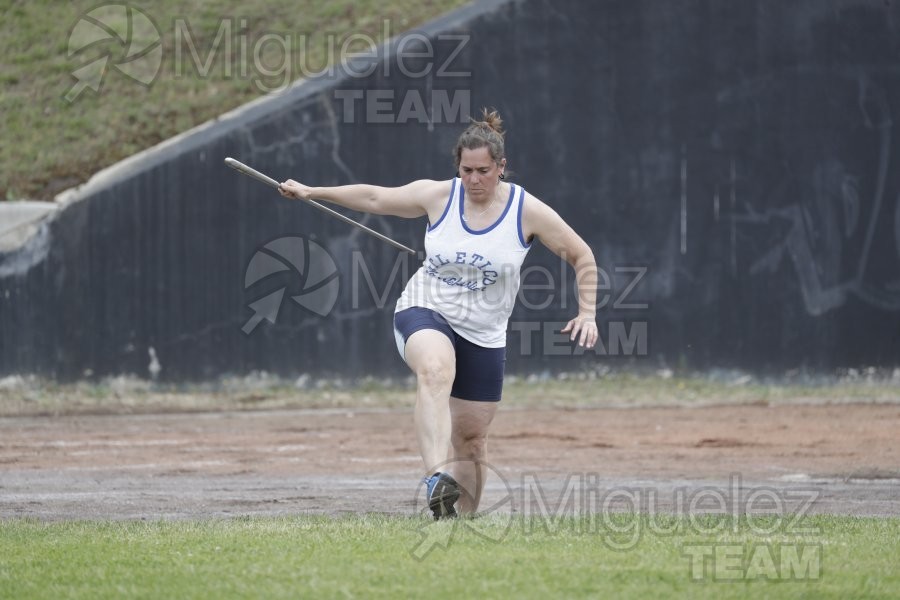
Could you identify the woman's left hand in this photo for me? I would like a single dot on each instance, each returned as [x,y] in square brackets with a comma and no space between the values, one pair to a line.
[584,328]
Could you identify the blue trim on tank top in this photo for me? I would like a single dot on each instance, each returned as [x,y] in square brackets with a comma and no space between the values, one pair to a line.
[462,203]
[519,219]
[447,207]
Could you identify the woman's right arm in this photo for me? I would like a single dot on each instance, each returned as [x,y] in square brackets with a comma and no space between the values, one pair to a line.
[417,199]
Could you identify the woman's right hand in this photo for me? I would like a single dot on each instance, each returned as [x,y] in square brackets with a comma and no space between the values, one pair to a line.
[295,189]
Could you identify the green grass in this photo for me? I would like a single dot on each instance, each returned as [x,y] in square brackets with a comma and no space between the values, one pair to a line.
[51,144]
[632,389]
[581,390]
[367,556]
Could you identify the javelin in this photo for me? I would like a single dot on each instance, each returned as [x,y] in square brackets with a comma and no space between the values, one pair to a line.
[242,168]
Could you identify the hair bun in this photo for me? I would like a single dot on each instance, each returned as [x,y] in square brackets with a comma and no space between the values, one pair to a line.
[491,119]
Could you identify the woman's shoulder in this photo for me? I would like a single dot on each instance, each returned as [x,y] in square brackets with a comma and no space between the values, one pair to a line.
[533,205]
[429,194]
[432,190]
[537,215]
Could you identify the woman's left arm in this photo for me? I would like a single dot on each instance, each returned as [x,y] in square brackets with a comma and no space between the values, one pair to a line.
[540,220]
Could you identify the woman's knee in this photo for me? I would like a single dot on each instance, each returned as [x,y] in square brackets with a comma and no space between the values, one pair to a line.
[431,357]
[472,446]
[435,373]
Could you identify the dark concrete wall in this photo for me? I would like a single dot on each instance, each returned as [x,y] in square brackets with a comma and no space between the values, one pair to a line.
[739,154]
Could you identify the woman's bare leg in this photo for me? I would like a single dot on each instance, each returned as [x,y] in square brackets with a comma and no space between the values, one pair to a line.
[431,357]
[471,421]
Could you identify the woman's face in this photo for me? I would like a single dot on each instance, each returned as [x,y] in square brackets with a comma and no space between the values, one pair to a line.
[479,173]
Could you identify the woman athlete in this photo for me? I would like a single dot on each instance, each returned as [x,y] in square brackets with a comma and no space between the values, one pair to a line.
[450,322]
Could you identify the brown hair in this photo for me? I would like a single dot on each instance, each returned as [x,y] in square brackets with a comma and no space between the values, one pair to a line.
[488,132]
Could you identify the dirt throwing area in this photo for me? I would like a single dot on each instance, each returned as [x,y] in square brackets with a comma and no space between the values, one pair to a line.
[185,465]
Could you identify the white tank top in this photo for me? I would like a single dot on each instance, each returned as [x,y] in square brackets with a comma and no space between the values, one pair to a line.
[471,277]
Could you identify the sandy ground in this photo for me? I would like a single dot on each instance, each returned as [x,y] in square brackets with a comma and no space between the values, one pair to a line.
[842,459]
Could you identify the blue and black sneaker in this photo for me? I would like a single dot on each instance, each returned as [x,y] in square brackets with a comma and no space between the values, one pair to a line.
[441,492]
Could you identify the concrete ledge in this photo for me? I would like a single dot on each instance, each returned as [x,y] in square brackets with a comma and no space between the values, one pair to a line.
[20,220]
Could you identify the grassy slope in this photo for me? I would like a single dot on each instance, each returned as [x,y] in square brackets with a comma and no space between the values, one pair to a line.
[371,557]
[49,144]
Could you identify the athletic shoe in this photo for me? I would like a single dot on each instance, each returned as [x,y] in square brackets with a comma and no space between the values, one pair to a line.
[441,492]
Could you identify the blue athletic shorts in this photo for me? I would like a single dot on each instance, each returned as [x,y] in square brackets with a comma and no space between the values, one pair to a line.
[479,370]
